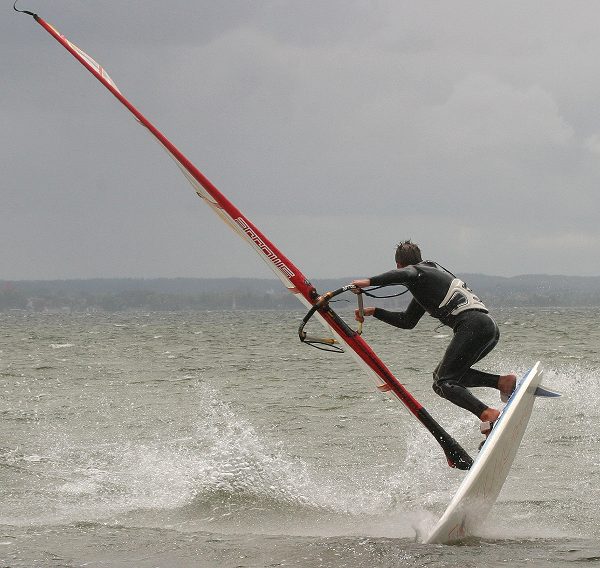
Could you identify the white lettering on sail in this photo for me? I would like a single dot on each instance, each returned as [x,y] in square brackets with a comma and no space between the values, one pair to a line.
[264,248]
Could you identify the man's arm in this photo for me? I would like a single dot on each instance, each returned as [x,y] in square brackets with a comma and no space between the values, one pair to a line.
[400,276]
[405,320]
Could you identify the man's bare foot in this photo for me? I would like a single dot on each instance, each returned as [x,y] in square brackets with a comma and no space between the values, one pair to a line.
[506,385]
[489,415]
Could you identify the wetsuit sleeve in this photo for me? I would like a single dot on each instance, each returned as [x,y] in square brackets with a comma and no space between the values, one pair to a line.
[405,320]
[400,276]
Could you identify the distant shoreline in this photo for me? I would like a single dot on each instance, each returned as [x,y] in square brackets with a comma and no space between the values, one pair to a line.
[179,294]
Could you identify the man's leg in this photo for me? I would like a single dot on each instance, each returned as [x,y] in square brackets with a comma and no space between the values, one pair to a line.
[473,338]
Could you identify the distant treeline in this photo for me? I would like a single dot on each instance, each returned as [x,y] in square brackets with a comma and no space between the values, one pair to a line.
[176,294]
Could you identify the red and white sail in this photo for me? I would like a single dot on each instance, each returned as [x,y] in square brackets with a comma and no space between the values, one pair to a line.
[285,270]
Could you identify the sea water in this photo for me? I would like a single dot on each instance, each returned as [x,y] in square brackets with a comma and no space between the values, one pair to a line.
[216,439]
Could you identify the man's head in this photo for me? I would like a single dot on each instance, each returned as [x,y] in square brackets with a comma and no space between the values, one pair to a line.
[407,253]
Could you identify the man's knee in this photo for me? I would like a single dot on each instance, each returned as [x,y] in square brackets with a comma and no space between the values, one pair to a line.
[442,387]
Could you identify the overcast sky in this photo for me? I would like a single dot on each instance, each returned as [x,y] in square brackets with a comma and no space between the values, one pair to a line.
[338,127]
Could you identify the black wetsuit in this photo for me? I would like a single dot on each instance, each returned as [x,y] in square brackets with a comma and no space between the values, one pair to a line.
[445,297]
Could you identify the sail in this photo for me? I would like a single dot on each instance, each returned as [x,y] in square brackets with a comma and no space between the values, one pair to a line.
[291,277]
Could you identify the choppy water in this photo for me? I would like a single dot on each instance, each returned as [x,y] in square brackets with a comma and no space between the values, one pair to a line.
[217,439]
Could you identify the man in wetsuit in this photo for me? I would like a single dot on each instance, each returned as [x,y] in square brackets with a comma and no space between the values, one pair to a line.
[447,298]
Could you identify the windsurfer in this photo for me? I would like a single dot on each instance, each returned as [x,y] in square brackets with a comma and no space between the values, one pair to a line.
[445,297]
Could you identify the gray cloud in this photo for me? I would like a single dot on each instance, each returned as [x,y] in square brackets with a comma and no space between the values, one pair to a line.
[338,127]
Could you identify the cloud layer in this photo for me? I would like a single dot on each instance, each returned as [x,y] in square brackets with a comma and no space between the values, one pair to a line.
[338,127]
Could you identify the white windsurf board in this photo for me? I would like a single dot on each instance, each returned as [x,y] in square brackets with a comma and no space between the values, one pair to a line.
[480,488]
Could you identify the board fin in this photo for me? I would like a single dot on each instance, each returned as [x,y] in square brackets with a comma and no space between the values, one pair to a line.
[546,392]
